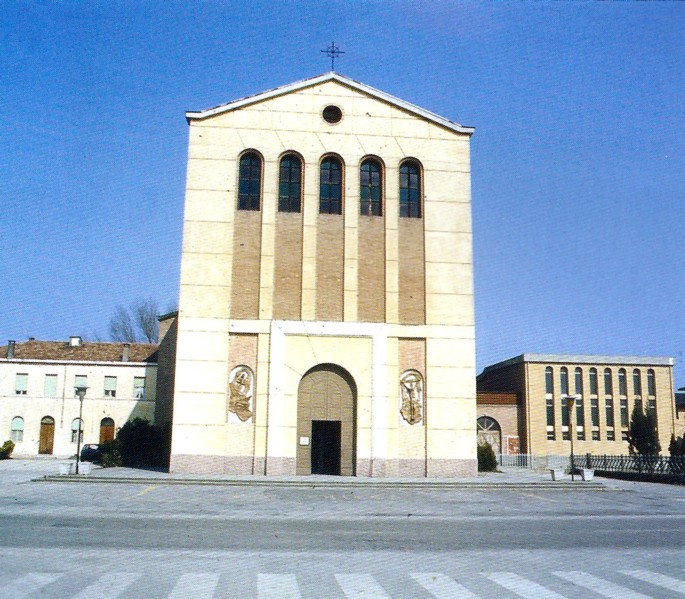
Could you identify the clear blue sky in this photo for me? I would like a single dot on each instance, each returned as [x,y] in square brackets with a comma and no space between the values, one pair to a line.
[578,157]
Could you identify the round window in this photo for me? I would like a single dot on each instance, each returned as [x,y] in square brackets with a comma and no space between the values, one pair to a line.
[332,114]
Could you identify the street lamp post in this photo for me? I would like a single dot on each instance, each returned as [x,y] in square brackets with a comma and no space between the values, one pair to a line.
[570,401]
[80,393]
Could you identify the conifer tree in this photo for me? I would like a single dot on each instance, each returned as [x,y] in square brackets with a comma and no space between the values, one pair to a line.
[642,436]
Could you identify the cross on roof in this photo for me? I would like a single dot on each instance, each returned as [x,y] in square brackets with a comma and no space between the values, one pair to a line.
[333,51]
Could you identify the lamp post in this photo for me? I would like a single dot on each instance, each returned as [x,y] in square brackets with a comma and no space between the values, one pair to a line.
[570,401]
[80,393]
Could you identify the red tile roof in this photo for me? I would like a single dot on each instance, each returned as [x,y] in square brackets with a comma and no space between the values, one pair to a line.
[86,352]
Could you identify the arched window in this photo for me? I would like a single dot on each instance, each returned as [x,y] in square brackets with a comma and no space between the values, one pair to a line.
[371,188]
[250,181]
[651,384]
[75,430]
[564,380]
[579,381]
[608,386]
[330,186]
[290,184]
[622,384]
[410,189]
[637,383]
[549,380]
[17,429]
[489,431]
[593,381]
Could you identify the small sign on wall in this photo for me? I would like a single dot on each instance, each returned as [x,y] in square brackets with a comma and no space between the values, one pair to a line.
[304,440]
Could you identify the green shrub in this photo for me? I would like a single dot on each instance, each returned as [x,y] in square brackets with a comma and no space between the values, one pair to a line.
[110,456]
[6,450]
[140,444]
[487,460]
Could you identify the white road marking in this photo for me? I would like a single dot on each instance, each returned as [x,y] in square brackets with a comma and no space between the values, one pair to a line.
[108,586]
[198,585]
[442,586]
[660,580]
[360,586]
[28,584]
[600,586]
[522,586]
[277,586]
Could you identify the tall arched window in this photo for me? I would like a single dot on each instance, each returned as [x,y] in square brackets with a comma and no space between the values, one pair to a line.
[549,380]
[579,381]
[608,386]
[593,381]
[290,184]
[651,384]
[330,186]
[637,383]
[75,430]
[371,188]
[250,181]
[622,384]
[410,189]
[17,429]
[563,375]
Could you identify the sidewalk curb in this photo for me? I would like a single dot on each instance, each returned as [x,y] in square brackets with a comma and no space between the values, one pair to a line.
[347,484]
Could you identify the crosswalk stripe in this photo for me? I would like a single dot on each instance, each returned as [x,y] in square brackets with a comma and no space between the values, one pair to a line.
[199,585]
[441,586]
[360,586]
[606,588]
[277,586]
[30,583]
[108,586]
[522,586]
[660,580]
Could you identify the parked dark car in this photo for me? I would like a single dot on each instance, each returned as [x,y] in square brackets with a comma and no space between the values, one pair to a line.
[91,452]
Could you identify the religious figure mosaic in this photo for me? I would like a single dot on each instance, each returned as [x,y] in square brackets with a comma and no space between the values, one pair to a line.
[411,385]
[240,392]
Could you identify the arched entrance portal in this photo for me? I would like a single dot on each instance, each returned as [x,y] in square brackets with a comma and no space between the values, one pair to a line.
[106,430]
[47,435]
[489,431]
[326,421]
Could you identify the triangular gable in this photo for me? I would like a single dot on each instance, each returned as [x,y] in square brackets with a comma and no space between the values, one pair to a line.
[332,76]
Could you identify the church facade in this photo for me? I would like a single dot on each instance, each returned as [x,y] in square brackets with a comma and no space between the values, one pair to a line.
[326,321]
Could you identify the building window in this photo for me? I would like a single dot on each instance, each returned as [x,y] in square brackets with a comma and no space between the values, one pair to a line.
[332,114]
[565,420]
[110,386]
[290,184]
[549,380]
[80,380]
[651,384]
[580,419]
[550,419]
[139,387]
[608,385]
[593,381]
[330,186]
[622,384]
[50,386]
[370,188]
[624,435]
[410,189]
[637,383]
[563,377]
[75,430]
[17,429]
[21,384]
[609,412]
[579,381]
[250,181]
[624,413]
[594,418]
[651,406]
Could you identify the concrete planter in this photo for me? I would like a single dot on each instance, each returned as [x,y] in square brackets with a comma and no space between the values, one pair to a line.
[85,468]
[587,473]
[65,468]
[557,473]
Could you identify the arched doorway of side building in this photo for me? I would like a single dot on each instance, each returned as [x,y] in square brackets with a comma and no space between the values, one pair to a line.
[47,435]
[326,421]
[489,431]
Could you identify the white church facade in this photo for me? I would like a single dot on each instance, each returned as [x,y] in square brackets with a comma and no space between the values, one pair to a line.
[326,321]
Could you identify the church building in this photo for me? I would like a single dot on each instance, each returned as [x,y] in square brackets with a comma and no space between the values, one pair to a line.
[326,321]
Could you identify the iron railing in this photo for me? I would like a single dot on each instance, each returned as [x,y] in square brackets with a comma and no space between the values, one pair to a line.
[632,463]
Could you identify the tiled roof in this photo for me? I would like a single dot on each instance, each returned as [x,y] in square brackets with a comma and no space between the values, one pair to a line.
[86,352]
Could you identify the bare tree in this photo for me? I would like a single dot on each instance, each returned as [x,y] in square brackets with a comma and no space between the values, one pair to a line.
[135,324]
[121,326]
[145,313]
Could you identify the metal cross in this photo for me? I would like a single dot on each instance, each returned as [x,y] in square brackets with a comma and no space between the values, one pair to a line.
[333,51]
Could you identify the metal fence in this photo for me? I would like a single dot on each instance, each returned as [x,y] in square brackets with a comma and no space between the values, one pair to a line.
[527,461]
[632,463]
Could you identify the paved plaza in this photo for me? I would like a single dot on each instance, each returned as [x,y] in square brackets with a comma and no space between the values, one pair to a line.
[511,535]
